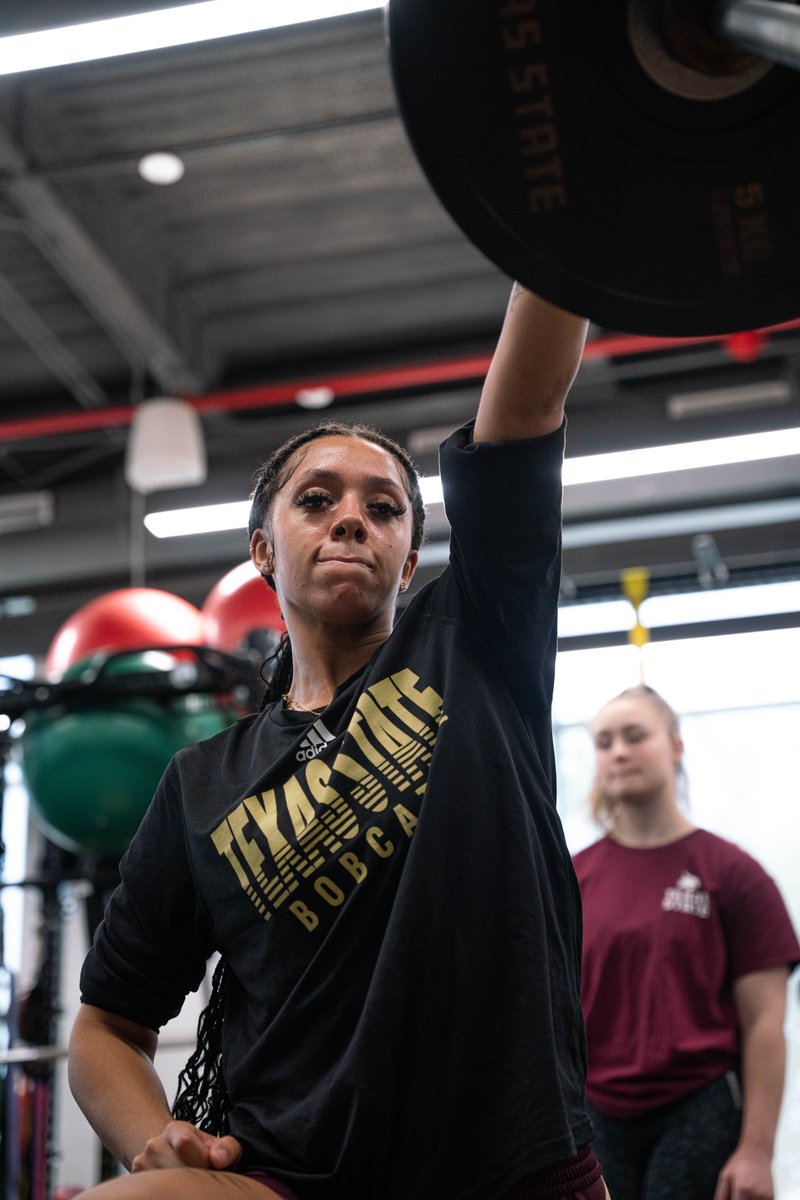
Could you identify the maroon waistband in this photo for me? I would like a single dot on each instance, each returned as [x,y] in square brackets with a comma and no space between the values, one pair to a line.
[566,1178]
[268,1181]
[561,1179]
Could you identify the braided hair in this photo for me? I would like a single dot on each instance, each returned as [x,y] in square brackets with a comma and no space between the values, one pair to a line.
[202,1097]
[272,476]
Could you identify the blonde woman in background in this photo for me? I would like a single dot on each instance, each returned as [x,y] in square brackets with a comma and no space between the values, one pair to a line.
[687,949]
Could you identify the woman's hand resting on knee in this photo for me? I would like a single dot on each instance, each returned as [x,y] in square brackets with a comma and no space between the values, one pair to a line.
[183,1145]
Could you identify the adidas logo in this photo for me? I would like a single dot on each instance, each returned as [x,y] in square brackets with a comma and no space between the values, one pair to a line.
[314,742]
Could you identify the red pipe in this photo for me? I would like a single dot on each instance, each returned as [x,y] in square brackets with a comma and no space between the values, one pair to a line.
[396,379]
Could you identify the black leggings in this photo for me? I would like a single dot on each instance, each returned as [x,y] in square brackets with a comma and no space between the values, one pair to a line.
[674,1153]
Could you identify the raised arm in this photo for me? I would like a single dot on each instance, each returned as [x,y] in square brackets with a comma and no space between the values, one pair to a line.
[115,1084]
[537,357]
[760,998]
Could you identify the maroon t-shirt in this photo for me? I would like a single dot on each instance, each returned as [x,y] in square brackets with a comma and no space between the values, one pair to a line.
[667,930]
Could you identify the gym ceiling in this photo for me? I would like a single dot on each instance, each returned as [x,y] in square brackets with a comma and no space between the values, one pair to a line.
[304,248]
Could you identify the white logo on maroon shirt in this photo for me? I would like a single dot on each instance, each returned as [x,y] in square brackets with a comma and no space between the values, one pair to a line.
[687,897]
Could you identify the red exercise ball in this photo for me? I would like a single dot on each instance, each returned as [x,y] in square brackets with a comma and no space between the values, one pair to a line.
[241,605]
[129,618]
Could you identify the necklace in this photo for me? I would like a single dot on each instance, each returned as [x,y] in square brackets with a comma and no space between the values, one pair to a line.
[293,706]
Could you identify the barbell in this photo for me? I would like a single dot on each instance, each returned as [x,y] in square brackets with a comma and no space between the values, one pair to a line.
[634,161]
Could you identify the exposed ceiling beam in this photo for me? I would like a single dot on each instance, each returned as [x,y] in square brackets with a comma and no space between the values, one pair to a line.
[65,244]
[49,350]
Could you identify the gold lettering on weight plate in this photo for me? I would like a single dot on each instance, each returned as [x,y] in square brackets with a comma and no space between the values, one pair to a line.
[532,108]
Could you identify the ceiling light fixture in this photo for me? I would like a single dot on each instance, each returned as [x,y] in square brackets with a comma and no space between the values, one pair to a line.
[743,602]
[594,619]
[179,26]
[721,604]
[682,456]
[746,396]
[206,518]
[315,397]
[166,447]
[162,168]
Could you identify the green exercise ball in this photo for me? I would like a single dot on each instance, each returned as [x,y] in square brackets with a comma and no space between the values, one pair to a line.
[91,771]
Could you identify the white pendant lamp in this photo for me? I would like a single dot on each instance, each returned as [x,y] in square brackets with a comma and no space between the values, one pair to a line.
[166,448]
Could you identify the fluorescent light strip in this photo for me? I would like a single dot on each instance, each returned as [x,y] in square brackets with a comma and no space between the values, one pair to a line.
[729,399]
[682,456]
[179,26]
[721,604]
[587,620]
[682,608]
[208,518]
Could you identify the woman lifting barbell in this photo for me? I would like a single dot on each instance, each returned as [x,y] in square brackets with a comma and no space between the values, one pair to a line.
[376,855]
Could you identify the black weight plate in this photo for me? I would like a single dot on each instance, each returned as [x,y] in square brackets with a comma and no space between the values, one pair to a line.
[605,192]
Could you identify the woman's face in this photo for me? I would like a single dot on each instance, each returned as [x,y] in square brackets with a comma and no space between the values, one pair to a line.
[637,756]
[338,538]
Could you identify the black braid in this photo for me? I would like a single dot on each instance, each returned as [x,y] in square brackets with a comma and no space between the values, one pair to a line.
[202,1098]
[279,678]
